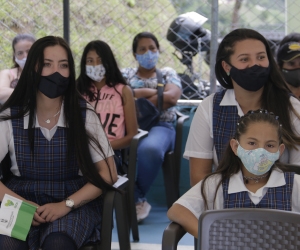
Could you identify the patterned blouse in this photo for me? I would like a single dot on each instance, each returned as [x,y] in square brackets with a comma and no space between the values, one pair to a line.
[169,76]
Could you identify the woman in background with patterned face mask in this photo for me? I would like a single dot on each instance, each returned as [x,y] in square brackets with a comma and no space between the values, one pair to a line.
[245,67]
[248,176]
[288,59]
[161,137]
[103,86]
[9,77]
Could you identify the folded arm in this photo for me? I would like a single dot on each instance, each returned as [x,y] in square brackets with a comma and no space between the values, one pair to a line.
[171,95]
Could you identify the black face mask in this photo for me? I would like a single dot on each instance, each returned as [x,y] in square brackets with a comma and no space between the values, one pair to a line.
[292,77]
[53,85]
[251,79]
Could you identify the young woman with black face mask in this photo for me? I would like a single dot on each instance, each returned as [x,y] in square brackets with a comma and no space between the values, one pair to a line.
[288,60]
[246,69]
[61,159]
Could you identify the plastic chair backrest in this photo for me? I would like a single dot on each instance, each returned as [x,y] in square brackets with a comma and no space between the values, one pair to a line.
[248,228]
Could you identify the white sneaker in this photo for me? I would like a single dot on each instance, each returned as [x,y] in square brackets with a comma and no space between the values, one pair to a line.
[142,210]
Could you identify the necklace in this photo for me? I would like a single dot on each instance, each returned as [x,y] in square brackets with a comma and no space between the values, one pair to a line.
[256,179]
[48,120]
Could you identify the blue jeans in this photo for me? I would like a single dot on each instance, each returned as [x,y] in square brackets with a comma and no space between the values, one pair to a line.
[150,157]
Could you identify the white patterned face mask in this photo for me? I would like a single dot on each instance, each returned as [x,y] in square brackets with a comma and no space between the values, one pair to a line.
[257,161]
[21,62]
[96,73]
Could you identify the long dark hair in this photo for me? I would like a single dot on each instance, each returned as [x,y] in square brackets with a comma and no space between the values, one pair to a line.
[24,96]
[230,163]
[18,38]
[275,96]
[113,74]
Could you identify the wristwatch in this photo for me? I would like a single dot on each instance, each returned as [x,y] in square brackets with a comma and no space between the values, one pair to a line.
[70,203]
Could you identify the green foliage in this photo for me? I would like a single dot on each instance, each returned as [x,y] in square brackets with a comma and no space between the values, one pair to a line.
[131,3]
[255,14]
[118,21]
[114,21]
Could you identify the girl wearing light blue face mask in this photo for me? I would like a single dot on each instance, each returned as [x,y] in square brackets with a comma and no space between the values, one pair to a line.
[248,176]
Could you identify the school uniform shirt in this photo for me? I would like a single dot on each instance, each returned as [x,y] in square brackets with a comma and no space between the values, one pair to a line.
[92,125]
[169,76]
[48,177]
[200,143]
[193,200]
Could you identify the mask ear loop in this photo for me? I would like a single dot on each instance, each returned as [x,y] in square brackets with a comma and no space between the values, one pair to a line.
[237,125]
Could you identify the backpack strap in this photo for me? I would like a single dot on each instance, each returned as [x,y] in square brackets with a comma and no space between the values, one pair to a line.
[160,90]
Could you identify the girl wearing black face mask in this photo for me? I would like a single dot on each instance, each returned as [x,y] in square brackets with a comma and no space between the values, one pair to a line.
[246,69]
[61,158]
[288,59]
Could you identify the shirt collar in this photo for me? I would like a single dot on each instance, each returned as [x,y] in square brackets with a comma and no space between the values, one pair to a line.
[236,182]
[60,122]
[229,100]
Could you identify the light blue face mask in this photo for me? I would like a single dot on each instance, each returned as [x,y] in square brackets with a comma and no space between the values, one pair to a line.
[148,60]
[257,161]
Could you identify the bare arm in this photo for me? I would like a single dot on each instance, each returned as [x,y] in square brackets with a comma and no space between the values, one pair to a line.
[185,218]
[170,96]
[144,92]
[53,211]
[130,120]
[5,89]
[90,192]
[199,168]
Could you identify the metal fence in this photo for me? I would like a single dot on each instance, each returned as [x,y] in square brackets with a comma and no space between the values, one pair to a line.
[118,21]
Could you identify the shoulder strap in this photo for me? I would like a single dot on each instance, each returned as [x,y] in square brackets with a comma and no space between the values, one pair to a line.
[160,90]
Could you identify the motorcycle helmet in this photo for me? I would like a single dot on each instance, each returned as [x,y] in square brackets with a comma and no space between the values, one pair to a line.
[184,32]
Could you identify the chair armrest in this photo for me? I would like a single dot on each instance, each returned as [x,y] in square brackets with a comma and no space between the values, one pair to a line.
[133,151]
[178,143]
[172,235]
[292,168]
[179,125]
[107,219]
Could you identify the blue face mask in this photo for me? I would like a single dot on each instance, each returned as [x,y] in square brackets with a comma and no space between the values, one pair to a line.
[257,161]
[148,60]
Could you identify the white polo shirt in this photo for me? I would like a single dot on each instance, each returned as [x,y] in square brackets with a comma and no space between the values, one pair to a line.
[193,199]
[200,143]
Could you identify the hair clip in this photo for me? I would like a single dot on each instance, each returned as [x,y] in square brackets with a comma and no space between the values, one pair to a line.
[276,117]
[238,124]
